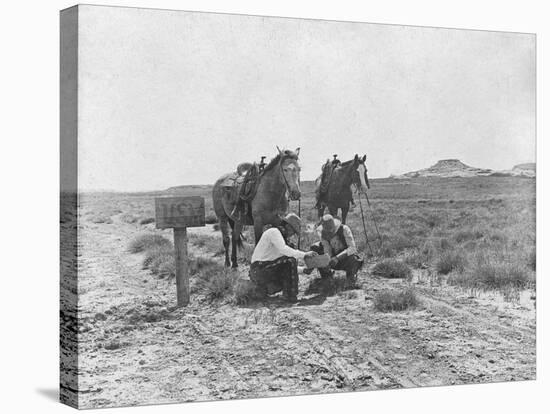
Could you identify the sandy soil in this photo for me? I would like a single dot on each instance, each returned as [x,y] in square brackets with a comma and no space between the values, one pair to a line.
[136,348]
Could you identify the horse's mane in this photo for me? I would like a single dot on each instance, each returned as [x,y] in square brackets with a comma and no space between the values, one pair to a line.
[346,163]
[275,161]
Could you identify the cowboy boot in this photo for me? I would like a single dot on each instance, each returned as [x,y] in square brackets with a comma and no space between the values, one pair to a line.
[351,273]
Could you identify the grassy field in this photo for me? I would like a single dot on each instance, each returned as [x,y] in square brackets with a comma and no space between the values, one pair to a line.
[447,297]
[477,232]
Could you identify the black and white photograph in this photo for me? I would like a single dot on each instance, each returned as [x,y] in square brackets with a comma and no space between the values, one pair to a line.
[274,206]
[268,206]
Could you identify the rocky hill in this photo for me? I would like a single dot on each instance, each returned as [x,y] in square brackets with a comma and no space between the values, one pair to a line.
[528,169]
[456,168]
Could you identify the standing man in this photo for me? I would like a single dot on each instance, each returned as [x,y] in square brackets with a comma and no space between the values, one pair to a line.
[275,262]
[338,242]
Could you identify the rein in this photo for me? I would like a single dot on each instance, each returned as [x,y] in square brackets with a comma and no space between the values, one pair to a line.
[372,218]
[364,225]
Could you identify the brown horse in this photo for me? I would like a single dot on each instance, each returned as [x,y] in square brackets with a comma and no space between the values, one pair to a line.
[269,203]
[339,194]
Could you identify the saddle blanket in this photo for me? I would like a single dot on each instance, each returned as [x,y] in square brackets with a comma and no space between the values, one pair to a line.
[232,180]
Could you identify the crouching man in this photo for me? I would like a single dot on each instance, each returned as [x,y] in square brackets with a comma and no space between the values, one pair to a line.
[338,242]
[275,262]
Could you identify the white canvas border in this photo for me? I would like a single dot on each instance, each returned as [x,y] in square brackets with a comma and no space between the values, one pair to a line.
[29,308]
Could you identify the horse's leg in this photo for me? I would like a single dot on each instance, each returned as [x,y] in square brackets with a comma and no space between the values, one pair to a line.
[236,242]
[224,227]
[333,211]
[345,213]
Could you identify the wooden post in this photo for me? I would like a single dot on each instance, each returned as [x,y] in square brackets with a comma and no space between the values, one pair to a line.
[179,213]
[182,266]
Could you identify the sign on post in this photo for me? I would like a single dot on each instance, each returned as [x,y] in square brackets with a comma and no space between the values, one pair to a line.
[179,213]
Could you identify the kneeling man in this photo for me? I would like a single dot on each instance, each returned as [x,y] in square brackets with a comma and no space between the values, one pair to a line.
[338,242]
[274,261]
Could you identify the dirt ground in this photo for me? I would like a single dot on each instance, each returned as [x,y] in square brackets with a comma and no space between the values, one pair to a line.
[136,348]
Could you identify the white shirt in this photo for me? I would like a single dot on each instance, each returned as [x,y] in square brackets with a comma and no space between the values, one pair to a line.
[272,246]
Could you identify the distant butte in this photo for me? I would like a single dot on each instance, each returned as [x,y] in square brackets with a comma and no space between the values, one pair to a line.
[456,168]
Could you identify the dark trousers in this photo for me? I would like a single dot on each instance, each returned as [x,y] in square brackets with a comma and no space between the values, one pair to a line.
[273,276]
[351,264]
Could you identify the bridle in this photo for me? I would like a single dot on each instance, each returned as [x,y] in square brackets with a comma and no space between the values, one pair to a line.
[358,184]
[287,185]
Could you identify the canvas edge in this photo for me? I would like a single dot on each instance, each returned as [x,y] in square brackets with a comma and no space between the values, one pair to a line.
[68,199]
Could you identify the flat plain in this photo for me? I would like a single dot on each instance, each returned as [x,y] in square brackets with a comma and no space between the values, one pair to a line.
[447,296]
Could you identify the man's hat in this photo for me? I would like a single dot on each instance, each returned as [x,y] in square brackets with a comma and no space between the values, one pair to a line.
[329,226]
[294,221]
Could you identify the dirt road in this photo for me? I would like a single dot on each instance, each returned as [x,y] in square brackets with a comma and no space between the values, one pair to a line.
[135,348]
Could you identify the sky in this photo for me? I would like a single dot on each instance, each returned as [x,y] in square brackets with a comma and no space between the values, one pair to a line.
[170,98]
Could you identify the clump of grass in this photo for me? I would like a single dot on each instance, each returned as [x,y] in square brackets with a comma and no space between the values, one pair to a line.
[161,262]
[204,242]
[100,219]
[148,241]
[164,260]
[211,218]
[393,269]
[128,218]
[498,237]
[487,274]
[450,261]
[146,220]
[395,300]
[467,235]
[433,220]
[439,244]
[416,259]
[216,285]
[154,252]
[199,264]
[386,250]
[399,243]
[166,269]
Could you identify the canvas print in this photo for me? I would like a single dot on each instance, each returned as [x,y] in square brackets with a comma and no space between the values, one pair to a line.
[260,206]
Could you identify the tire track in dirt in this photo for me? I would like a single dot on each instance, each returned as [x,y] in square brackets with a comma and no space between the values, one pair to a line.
[484,321]
[202,330]
[435,349]
[348,370]
[487,321]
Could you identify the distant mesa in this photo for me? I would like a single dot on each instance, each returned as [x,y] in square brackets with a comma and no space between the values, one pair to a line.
[456,168]
[190,188]
[528,166]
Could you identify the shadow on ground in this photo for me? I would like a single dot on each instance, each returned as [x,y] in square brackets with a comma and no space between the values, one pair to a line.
[51,394]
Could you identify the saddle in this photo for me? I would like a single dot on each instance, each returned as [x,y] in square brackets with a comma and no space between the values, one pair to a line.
[326,173]
[241,188]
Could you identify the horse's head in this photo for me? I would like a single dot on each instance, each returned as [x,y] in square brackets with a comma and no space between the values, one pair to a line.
[290,172]
[359,174]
